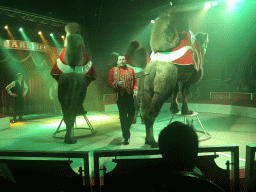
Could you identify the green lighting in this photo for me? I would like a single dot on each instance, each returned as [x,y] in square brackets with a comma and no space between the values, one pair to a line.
[55,42]
[25,37]
[51,34]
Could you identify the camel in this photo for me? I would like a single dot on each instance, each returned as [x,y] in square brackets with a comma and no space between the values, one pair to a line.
[168,34]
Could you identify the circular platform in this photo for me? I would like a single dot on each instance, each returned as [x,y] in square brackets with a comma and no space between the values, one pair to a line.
[189,115]
[78,133]
[207,136]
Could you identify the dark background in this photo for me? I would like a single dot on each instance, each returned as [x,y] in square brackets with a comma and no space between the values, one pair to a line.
[110,25]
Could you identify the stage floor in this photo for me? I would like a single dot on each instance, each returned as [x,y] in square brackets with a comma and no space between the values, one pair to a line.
[35,133]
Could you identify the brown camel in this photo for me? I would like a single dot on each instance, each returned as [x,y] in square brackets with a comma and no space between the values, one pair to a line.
[168,33]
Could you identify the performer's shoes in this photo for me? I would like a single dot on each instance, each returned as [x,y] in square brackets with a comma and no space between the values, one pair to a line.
[126,141]
[14,121]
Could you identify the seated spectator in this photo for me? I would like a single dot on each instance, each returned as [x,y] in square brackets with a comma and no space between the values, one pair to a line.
[178,144]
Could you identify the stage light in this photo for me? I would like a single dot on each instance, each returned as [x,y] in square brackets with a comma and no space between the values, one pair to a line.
[152,21]
[214,3]
[51,34]
[39,32]
[20,29]
[171,3]
[62,36]
[6,26]
[207,6]
[231,3]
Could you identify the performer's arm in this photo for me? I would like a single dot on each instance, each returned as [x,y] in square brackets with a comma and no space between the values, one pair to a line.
[26,89]
[8,88]
[111,83]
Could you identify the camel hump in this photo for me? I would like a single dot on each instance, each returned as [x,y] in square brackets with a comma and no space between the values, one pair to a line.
[140,57]
[135,44]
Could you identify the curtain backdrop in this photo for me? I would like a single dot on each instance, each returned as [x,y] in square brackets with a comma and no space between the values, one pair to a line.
[35,67]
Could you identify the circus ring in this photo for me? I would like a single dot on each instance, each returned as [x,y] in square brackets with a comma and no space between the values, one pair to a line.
[226,103]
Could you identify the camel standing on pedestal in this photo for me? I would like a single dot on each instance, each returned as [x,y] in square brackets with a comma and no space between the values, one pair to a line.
[173,45]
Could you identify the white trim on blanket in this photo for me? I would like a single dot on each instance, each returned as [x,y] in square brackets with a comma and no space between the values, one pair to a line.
[78,69]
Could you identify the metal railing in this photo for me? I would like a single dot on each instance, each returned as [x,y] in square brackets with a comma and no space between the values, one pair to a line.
[66,154]
[232,93]
[250,168]
[234,149]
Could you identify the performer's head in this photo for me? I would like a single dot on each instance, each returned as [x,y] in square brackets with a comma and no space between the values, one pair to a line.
[121,61]
[178,144]
[19,77]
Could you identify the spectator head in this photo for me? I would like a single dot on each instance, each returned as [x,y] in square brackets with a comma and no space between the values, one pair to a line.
[19,76]
[178,144]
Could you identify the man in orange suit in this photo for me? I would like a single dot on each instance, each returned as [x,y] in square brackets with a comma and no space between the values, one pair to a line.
[123,80]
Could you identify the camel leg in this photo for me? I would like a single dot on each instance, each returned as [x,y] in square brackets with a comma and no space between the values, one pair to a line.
[174,103]
[149,118]
[71,93]
[137,108]
[157,88]
[185,92]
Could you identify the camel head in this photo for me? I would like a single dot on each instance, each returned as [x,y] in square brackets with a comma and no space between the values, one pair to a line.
[164,36]
[203,40]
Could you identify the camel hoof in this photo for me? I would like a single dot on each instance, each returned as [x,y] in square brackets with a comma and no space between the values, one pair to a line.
[174,111]
[187,112]
[70,141]
[174,108]
[152,144]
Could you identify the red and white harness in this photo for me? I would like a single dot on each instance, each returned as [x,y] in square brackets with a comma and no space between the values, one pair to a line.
[186,53]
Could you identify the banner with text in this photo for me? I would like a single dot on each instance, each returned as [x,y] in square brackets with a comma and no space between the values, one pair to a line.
[31,46]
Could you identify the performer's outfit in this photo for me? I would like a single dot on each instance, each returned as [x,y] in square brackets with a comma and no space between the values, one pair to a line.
[19,100]
[124,95]
[87,69]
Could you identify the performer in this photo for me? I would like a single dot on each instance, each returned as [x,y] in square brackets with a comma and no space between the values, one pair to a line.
[18,93]
[74,72]
[123,80]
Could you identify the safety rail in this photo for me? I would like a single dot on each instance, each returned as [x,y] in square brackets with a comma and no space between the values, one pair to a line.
[250,168]
[65,154]
[234,149]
